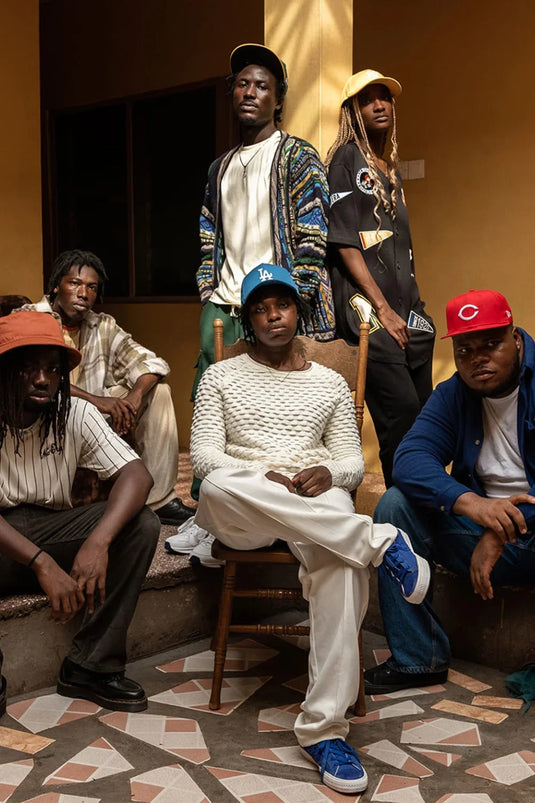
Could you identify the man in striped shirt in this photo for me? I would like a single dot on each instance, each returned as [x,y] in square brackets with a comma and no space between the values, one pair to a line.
[93,557]
[120,377]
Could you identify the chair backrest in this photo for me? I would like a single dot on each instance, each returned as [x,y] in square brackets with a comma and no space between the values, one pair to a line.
[349,361]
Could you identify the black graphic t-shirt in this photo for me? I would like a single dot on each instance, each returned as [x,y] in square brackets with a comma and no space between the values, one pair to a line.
[352,223]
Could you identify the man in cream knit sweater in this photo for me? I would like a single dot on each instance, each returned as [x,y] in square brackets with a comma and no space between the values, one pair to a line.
[276,444]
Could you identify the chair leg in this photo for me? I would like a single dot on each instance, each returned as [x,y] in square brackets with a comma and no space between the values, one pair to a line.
[360,705]
[221,634]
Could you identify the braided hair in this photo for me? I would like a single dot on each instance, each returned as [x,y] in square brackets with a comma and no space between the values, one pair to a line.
[351,129]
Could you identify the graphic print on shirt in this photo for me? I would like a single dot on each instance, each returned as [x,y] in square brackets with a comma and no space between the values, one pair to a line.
[364,181]
[337,196]
[419,323]
[365,311]
[369,238]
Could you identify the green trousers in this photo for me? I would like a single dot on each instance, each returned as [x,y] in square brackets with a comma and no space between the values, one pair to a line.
[232,330]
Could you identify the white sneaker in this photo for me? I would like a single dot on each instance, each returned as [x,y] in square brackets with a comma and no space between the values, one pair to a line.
[203,553]
[186,538]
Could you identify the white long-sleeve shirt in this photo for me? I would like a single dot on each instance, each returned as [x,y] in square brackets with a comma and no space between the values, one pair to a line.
[250,416]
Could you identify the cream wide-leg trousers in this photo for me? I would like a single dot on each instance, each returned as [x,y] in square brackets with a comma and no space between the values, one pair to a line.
[156,440]
[335,546]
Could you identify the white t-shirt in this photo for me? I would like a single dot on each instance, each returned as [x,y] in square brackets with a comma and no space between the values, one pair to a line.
[499,467]
[29,478]
[246,216]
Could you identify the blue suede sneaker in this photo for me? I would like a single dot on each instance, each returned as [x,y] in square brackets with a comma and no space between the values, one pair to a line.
[406,567]
[339,765]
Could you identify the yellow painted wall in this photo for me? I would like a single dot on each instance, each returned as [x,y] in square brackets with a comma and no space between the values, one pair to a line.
[100,50]
[313,37]
[466,67]
[20,149]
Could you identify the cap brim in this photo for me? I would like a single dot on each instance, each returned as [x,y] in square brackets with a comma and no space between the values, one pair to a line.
[251,53]
[269,283]
[73,355]
[468,330]
[393,86]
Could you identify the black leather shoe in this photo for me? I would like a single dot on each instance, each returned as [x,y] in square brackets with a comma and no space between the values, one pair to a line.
[110,690]
[3,696]
[383,679]
[174,512]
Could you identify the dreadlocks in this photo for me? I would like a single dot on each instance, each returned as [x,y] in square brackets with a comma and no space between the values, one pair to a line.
[12,401]
[351,129]
[303,313]
[75,258]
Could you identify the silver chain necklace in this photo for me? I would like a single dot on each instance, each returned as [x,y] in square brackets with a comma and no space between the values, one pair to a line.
[245,165]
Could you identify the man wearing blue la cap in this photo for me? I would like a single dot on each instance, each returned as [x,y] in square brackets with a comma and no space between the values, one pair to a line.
[276,443]
[263,276]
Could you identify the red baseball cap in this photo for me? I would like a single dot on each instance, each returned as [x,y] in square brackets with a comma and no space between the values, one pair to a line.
[477,310]
[27,328]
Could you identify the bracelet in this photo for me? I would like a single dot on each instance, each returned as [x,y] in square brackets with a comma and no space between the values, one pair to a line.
[34,558]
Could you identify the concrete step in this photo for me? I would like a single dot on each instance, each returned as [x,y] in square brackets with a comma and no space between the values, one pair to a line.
[179,604]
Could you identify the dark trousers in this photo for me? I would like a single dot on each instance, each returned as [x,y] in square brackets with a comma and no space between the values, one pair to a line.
[395,394]
[100,643]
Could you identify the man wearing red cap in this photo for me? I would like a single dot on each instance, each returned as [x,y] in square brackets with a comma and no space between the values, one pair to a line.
[93,557]
[479,520]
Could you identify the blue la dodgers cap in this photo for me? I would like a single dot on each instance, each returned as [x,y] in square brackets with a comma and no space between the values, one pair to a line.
[264,275]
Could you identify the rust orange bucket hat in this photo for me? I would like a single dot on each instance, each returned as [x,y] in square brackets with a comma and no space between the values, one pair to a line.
[34,329]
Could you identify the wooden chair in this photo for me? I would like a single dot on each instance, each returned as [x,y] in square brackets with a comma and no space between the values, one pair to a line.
[351,363]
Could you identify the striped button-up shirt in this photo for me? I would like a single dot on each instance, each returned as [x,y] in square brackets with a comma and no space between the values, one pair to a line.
[44,477]
[110,356]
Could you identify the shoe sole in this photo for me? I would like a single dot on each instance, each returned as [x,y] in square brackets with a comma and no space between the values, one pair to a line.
[176,522]
[184,551]
[424,576]
[386,688]
[339,784]
[206,562]
[81,693]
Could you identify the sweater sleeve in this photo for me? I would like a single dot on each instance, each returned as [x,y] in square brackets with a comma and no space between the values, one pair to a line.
[427,448]
[341,437]
[310,202]
[205,273]
[208,432]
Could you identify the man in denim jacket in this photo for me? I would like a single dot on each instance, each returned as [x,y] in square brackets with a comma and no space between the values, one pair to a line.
[479,520]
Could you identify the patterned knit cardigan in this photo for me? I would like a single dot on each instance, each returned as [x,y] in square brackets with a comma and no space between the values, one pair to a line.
[299,198]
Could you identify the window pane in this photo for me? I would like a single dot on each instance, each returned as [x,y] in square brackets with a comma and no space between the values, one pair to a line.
[91,185]
[174,143]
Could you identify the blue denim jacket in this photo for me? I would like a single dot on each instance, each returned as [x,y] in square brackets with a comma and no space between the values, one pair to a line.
[450,430]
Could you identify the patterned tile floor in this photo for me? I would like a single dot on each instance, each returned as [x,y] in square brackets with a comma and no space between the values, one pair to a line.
[464,742]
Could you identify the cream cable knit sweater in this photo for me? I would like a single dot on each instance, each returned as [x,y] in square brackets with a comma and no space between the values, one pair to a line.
[250,416]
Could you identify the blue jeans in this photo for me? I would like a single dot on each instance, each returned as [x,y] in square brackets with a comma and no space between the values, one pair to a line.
[414,633]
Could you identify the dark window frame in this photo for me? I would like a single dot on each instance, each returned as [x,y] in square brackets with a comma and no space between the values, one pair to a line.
[226,135]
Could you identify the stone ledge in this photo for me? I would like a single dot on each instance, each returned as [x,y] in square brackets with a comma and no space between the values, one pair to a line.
[165,571]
